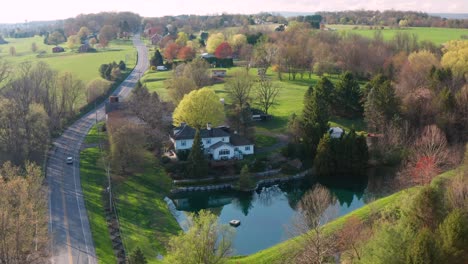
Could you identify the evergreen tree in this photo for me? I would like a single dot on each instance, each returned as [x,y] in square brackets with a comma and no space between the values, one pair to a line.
[314,118]
[323,159]
[197,164]
[453,234]
[348,97]
[423,249]
[137,257]
[157,59]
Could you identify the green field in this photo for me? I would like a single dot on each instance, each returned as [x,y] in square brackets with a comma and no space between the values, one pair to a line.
[83,65]
[289,101]
[436,35]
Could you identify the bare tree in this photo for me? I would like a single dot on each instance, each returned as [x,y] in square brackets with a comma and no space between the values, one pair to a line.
[314,210]
[266,94]
[238,88]
[353,233]
[5,70]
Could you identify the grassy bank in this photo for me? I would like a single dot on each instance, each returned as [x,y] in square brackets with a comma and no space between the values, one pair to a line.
[283,251]
[93,182]
[145,219]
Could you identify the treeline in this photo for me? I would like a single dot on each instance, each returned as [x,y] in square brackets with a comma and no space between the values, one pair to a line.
[390,18]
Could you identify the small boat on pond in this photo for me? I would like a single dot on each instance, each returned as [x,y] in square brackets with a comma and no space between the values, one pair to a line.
[235,222]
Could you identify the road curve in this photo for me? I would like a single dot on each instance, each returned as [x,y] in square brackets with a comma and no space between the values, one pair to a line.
[69,230]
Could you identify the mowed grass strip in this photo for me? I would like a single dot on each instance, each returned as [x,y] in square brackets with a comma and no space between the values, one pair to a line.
[145,219]
[93,182]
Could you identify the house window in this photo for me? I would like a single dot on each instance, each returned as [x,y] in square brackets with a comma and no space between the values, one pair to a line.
[183,143]
[224,152]
[208,141]
[222,139]
[247,148]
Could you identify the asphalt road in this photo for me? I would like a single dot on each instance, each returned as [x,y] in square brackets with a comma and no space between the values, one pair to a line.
[70,233]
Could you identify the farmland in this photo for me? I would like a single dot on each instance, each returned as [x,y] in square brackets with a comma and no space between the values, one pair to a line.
[83,65]
[436,35]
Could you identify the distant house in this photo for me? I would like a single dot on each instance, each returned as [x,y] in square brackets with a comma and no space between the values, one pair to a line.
[156,38]
[219,143]
[57,49]
[336,132]
[84,48]
[218,73]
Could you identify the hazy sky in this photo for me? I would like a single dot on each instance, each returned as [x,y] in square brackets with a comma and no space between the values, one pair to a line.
[33,10]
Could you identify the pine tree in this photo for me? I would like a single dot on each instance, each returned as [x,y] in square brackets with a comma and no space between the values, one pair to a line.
[157,59]
[423,249]
[137,257]
[315,117]
[245,180]
[197,164]
[323,159]
[348,96]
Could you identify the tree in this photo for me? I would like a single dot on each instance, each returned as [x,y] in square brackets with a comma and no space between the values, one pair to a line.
[239,87]
[348,97]
[352,235]
[92,42]
[423,250]
[197,164]
[137,257]
[453,234]
[106,34]
[403,23]
[127,142]
[12,51]
[316,247]
[55,38]
[171,51]
[34,47]
[182,39]
[198,108]
[178,87]
[214,41]
[266,93]
[23,215]
[206,241]
[237,42]
[323,162]
[456,57]
[186,53]
[157,59]
[5,70]
[246,182]
[95,89]
[223,51]
[73,41]
[83,33]
[197,70]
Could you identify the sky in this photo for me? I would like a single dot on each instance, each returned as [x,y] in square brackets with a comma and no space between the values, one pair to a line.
[14,11]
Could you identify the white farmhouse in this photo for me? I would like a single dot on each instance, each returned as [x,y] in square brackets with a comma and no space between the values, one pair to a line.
[218,142]
[336,132]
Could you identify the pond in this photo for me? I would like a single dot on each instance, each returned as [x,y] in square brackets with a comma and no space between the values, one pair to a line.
[267,215]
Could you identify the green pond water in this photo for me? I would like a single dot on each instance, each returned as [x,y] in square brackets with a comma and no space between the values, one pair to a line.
[267,215]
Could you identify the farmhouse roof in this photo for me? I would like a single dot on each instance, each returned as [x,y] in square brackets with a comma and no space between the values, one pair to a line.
[187,132]
[237,140]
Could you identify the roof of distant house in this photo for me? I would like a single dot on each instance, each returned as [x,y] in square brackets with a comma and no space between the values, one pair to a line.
[237,140]
[187,132]
[219,144]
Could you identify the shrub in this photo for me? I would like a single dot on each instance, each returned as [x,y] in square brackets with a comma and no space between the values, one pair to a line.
[182,155]
[165,159]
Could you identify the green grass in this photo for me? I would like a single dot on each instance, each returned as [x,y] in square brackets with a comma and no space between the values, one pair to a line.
[145,219]
[93,182]
[262,141]
[284,251]
[436,35]
[95,135]
[83,65]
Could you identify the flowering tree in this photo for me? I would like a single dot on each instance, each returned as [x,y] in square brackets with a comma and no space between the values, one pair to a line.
[223,51]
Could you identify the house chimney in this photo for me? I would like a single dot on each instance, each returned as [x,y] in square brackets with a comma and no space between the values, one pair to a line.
[208,126]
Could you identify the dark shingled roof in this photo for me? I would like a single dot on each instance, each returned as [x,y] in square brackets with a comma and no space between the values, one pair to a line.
[187,132]
[219,144]
[237,140]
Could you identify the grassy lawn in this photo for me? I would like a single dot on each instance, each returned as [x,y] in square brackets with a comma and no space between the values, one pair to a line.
[436,35]
[289,100]
[144,217]
[283,251]
[95,135]
[93,182]
[83,65]
[262,141]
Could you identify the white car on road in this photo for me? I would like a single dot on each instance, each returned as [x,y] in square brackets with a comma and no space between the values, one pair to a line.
[69,160]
